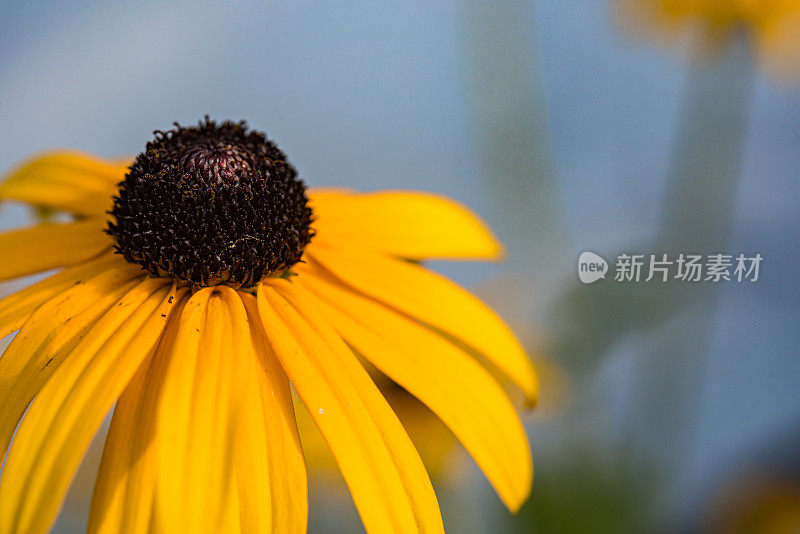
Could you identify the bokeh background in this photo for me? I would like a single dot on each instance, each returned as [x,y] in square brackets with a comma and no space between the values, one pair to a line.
[600,125]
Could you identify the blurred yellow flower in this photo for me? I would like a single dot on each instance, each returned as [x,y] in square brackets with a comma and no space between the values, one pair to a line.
[756,503]
[772,26]
[218,303]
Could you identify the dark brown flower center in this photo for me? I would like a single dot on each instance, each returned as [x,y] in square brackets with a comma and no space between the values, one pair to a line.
[212,204]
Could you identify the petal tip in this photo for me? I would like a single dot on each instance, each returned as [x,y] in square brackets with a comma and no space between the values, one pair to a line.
[532,391]
[497,250]
[516,500]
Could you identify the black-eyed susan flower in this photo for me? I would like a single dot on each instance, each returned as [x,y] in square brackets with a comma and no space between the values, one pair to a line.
[773,26]
[192,296]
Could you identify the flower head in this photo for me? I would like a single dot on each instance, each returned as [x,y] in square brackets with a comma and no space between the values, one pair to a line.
[213,286]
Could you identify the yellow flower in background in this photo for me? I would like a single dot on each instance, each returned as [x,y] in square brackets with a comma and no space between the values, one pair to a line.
[216,286]
[773,26]
[756,502]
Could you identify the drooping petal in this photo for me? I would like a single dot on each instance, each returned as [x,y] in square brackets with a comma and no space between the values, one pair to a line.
[434,300]
[408,224]
[69,181]
[386,477]
[49,246]
[269,463]
[451,383]
[17,307]
[49,336]
[125,489]
[69,409]
[197,417]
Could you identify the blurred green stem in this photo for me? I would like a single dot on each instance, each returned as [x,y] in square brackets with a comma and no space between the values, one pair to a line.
[698,215]
[512,143]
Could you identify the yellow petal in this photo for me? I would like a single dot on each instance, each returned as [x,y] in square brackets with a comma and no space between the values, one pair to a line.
[49,336]
[65,415]
[403,223]
[269,464]
[386,477]
[451,383]
[197,417]
[232,515]
[123,494]
[434,300]
[17,307]
[50,246]
[69,181]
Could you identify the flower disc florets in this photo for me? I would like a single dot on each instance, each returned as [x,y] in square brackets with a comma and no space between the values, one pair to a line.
[212,204]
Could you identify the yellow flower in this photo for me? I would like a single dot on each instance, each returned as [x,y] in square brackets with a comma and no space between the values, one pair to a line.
[772,25]
[231,285]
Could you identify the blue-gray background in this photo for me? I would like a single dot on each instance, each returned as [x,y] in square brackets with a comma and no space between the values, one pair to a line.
[390,95]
